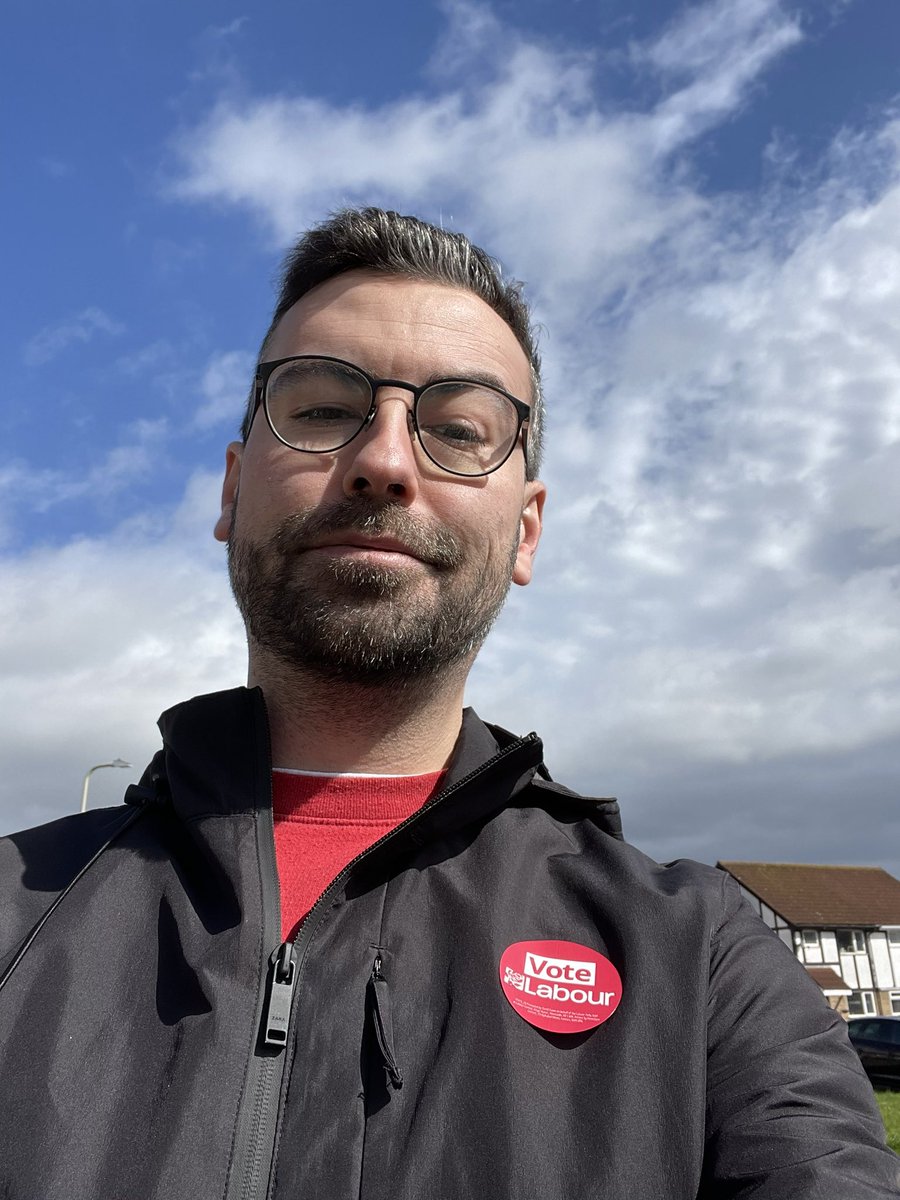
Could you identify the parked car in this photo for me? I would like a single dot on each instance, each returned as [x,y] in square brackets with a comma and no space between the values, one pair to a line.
[877,1042]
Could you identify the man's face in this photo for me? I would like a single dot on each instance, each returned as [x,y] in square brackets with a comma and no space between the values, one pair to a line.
[370,563]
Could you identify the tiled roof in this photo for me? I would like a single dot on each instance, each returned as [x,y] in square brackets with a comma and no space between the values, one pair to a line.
[827,897]
[828,980]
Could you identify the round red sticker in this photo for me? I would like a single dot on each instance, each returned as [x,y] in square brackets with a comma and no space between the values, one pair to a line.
[562,987]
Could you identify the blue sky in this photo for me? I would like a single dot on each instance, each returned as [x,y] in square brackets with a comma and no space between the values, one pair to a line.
[704,202]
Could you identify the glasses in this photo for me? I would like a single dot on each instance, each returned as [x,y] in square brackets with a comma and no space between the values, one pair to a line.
[318,404]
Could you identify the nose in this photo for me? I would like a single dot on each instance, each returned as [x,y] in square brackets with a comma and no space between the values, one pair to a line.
[382,461]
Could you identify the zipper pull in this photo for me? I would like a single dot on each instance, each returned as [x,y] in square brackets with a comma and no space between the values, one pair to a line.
[281,989]
[384,1026]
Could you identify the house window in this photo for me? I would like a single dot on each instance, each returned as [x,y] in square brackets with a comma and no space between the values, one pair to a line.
[851,941]
[861,1004]
[894,937]
[895,1002]
[811,947]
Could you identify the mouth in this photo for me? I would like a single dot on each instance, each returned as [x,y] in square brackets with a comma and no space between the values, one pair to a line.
[352,544]
[377,535]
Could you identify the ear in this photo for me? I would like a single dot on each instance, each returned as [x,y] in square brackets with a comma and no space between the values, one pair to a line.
[530,524]
[233,456]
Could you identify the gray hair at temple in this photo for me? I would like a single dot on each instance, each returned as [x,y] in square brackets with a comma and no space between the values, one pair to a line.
[379,240]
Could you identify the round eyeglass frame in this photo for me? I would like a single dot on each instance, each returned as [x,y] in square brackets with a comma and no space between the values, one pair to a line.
[265,370]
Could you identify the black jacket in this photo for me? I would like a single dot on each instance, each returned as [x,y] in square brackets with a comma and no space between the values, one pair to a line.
[141,981]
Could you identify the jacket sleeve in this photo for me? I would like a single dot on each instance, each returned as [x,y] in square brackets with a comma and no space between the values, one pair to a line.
[790,1112]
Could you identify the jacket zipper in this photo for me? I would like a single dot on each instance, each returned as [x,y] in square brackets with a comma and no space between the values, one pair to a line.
[256,1127]
[281,992]
[255,1136]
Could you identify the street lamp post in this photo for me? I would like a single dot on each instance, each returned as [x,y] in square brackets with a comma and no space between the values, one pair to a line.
[116,762]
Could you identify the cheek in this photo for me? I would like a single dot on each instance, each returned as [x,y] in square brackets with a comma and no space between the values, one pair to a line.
[488,528]
[277,485]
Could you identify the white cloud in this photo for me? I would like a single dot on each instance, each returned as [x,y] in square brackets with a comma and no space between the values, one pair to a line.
[722,47]
[226,31]
[224,387]
[721,33]
[52,340]
[149,359]
[121,466]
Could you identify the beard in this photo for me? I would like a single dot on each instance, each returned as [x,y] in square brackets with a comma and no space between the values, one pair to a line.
[359,622]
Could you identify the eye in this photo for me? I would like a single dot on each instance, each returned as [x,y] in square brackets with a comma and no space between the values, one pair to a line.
[321,414]
[464,417]
[460,432]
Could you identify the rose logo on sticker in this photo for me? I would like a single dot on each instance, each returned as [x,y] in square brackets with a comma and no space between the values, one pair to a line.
[562,987]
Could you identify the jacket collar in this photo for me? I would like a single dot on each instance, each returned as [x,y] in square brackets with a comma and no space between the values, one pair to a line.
[216,759]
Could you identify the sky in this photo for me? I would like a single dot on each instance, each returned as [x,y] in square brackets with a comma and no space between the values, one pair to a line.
[703,201]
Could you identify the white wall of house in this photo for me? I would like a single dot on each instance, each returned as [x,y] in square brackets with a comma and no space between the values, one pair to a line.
[894,943]
[847,970]
[881,959]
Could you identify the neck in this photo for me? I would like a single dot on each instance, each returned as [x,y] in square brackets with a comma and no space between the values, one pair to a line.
[328,725]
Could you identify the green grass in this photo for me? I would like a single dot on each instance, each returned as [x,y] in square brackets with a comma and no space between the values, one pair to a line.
[889,1103]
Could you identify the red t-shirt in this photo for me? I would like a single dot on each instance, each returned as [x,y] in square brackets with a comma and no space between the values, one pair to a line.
[323,821]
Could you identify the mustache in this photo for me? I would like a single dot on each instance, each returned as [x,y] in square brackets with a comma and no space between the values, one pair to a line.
[427,540]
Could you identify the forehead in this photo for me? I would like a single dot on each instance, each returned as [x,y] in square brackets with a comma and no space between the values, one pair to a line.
[403,328]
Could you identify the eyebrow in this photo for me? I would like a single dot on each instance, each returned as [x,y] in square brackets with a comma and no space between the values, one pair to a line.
[485,377]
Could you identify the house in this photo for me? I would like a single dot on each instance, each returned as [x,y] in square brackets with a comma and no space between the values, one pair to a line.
[843,923]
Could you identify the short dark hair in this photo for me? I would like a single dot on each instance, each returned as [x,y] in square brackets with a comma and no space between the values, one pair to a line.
[376,239]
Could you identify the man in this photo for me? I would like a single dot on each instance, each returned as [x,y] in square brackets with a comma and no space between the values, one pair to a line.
[345,939]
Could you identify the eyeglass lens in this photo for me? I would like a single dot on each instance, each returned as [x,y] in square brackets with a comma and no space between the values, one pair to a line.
[318,405]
